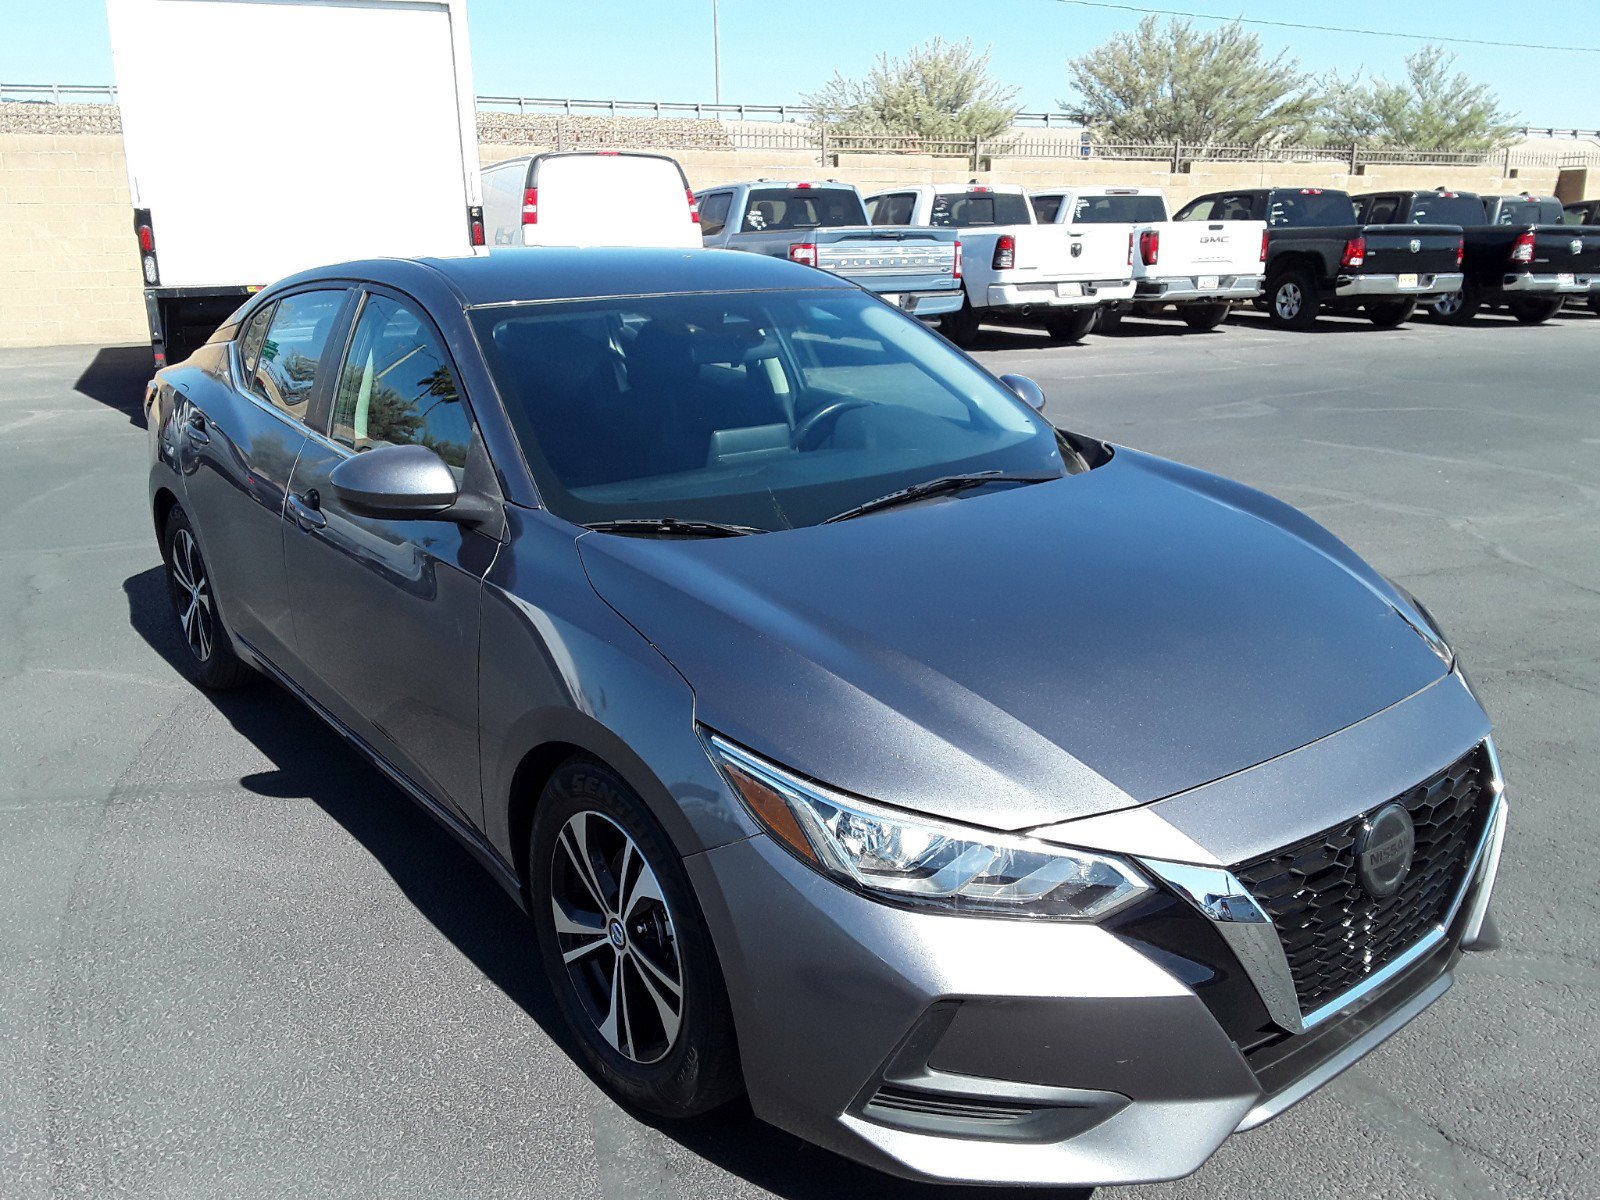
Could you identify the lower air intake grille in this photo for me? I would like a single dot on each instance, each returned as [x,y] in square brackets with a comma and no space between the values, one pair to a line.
[1335,934]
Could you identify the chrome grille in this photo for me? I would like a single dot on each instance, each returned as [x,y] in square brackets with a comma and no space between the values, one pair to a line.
[1334,934]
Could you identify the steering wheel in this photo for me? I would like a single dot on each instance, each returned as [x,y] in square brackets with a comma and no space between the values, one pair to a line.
[824,416]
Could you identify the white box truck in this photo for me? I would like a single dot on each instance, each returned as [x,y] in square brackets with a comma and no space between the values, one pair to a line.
[267,136]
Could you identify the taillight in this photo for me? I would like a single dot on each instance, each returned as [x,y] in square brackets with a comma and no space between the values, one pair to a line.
[804,253]
[1149,246]
[1005,252]
[1355,251]
[694,207]
[144,230]
[530,206]
[475,224]
[956,271]
[1266,239]
[1522,252]
[1461,250]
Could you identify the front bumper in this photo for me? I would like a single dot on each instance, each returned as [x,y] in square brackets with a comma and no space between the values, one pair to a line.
[1199,287]
[1554,285]
[1059,294]
[1380,286]
[1011,1052]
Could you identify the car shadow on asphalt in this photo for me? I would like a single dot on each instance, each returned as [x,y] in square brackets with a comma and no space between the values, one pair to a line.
[448,887]
[116,377]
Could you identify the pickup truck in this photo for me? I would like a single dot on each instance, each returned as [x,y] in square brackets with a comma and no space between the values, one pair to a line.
[1517,251]
[1013,269]
[1319,256]
[1202,267]
[825,225]
[1585,212]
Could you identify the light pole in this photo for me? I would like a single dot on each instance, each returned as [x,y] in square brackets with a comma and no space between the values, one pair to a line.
[716,49]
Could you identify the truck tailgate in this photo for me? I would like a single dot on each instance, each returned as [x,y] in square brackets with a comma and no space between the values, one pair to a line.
[1410,250]
[889,259]
[1566,249]
[1082,252]
[1199,248]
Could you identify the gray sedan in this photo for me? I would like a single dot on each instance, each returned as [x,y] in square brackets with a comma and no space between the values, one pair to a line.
[989,802]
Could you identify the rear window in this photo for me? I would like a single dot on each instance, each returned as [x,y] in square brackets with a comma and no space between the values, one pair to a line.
[964,210]
[1530,212]
[802,208]
[1118,210]
[1447,210]
[1313,207]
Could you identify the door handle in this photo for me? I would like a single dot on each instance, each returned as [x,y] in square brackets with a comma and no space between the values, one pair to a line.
[307,511]
[195,427]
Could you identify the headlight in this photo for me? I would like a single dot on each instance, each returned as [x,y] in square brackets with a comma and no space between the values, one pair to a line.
[910,859]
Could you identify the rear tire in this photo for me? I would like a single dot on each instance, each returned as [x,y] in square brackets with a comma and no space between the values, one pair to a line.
[208,657]
[960,328]
[1109,321]
[1458,308]
[1536,312]
[1594,304]
[1072,326]
[1387,314]
[629,957]
[1292,299]
[1205,316]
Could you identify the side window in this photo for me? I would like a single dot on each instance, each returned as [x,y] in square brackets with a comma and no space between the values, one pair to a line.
[1383,210]
[894,209]
[714,213]
[1045,209]
[397,387]
[1197,210]
[254,336]
[291,354]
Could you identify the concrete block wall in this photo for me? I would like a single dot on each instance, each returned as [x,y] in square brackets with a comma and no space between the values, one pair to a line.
[69,269]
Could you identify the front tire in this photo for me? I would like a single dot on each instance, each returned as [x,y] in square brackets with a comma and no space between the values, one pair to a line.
[626,948]
[1457,308]
[1536,312]
[1292,300]
[1388,314]
[208,657]
[1072,326]
[1204,317]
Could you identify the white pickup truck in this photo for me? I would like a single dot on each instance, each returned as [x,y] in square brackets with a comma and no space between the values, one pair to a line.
[1013,268]
[1200,266]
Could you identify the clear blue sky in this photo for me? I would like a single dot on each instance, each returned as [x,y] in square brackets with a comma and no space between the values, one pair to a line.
[772,52]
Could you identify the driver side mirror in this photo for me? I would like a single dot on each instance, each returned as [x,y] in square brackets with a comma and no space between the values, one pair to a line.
[1026,390]
[395,483]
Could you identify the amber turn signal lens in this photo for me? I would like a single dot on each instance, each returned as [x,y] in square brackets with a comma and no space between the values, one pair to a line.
[773,812]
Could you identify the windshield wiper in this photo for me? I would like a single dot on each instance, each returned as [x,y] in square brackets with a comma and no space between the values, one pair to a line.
[672,525]
[936,487]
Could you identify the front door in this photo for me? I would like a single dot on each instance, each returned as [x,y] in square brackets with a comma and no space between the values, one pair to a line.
[238,448]
[386,613]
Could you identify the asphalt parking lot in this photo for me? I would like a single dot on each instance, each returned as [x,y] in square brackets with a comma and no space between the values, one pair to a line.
[234,961]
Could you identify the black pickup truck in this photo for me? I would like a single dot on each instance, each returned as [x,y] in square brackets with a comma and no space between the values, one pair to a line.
[1517,251]
[1319,257]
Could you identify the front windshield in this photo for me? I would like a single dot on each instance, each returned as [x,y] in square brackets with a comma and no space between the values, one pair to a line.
[766,409]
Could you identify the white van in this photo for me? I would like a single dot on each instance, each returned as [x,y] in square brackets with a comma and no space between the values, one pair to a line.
[590,198]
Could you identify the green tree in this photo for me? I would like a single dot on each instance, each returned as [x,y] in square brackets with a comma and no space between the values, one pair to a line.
[1433,108]
[1174,84]
[940,90]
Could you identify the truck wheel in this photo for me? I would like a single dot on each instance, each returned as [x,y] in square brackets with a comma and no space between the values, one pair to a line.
[1535,312]
[961,326]
[1204,316]
[1292,299]
[1386,314]
[1457,308]
[1594,304]
[1070,327]
[1110,321]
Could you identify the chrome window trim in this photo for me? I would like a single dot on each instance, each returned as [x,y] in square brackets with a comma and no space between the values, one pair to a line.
[1219,896]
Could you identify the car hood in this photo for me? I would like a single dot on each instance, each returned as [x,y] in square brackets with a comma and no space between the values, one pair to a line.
[1021,657]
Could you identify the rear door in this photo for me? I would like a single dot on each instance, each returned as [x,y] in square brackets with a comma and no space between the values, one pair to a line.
[386,613]
[237,449]
[611,199]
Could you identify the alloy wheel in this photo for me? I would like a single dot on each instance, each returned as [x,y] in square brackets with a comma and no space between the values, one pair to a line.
[1289,300]
[193,589]
[1448,305]
[616,936]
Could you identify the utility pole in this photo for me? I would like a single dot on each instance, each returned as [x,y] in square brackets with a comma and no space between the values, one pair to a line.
[716,49]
